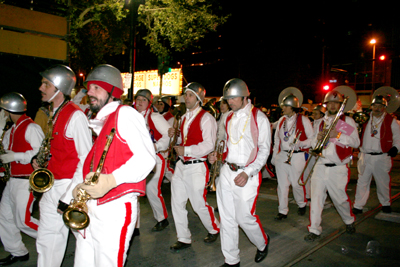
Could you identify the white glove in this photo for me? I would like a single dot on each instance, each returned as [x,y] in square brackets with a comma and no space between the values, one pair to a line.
[8,157]
[105,183]
[3,119]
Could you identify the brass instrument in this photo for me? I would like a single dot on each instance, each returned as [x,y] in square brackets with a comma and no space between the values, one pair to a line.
[360,118]
[42,179]
[317,151]
[174,139]
[76,215]
[295,140]
[215,168]
[6,166]
[209,106]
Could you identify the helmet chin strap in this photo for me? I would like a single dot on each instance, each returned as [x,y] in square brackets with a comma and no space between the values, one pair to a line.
[51,98]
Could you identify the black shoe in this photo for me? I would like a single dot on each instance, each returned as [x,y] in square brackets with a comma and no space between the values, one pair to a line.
[10,259]
[235,265]
[280,216]
[350,228]
[261,255]
[160,225]
[311,237]
[136,232]
[357,211]
[179,246]
[386,209]
[211,238]
[301,211]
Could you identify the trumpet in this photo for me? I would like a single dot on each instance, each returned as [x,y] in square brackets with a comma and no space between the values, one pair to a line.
[295,141]
[76,215]
[215,168]
[317,151]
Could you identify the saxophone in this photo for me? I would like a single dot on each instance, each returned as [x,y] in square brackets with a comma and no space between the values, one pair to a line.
[6,166]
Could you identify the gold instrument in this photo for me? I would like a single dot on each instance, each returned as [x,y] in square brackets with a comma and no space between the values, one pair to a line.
[6,166]
[360,118]
[76,215]
[215,168]
[42,179]
[174,139]
[317,151]
[295,140]
[209,106]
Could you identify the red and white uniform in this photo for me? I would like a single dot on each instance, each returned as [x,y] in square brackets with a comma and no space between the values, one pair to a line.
[374,160]
[70,144]
[198,133]
[248,145]
[24,139]
[169,171]
[130,158]
[158,128]
[331,174]
[289,174]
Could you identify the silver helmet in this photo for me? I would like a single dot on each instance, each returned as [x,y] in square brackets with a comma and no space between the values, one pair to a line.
[13,102]
[166,100]
[145,93]
[109,78]
[197,89]
[379,99]
[235,88]
[62,77]
[290,100]
[333,96]
[320,108]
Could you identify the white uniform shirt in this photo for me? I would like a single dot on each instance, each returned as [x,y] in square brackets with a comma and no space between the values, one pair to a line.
[162,127]
[132,128]
[208,127]
[373,144]
[221,125]
[239,153]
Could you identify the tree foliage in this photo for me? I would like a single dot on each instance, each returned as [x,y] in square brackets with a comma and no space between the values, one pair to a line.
[177,24]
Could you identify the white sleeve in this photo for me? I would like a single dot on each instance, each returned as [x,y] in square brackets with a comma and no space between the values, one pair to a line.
[353,139]
[162,127]
[132,128]
[396,134]
[308,128]
[34,136]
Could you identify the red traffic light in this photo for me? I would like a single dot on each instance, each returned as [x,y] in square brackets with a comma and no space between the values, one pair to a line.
[382,57]
[326,87]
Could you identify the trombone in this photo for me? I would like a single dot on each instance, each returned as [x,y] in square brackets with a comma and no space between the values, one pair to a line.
[295,140]
[317,151]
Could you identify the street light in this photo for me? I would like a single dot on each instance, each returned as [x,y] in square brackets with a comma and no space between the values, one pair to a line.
[373,42]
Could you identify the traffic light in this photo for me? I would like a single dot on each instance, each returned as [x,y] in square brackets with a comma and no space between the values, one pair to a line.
[164,65]
[326,87]
[382,57]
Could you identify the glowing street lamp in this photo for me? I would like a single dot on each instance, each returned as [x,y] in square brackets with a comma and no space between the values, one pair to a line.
[373,42]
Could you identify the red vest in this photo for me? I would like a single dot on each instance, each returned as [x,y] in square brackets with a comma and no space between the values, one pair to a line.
[117,155]
[64,157]
[255,133]
[19,144]
[155,135]
[194,134]
[342,152]
[168,115]
[386,135]
[300,127]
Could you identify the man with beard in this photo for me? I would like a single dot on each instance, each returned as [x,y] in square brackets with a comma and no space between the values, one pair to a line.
[113,205]
[380,140]
[331,173]
[21,142]
[196,141]
[158,130]
[70,144]
[248,139]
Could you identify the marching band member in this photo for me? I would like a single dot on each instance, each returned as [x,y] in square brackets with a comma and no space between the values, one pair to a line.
[380,140]
[70,144]
[158,128]
[225,111]
[21,142]
[113,205]
[288,127]
[197,138]
[248,142]
[331,173]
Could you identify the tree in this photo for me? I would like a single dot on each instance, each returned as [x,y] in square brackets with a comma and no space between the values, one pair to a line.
[177,24]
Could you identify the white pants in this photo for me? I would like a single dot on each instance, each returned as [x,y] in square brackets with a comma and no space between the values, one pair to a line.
[237,207]
[105,242]
[153,189]
[15,216]
[334,180]
[189,182]
[52,233]
[378,166]
[289,175]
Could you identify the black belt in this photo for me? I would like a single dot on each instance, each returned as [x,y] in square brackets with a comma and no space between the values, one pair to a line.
[375,153]
[330,164]
[192,161]
[21,177]
[296,151]
[234,167]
